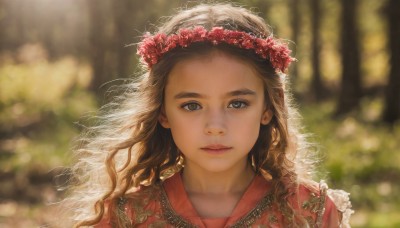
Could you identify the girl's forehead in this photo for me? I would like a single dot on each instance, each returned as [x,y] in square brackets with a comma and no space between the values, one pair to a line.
[216,61]
[216,71]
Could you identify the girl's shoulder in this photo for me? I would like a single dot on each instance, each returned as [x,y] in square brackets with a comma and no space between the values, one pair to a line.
[315,202]
[332,208]
[138,206]
[142,203]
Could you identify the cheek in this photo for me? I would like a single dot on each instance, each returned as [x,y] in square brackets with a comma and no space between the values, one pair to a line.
[251,132]
[247,128]
[182,129]
[184,138]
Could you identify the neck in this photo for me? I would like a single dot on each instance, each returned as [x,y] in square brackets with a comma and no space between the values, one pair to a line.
[230,181]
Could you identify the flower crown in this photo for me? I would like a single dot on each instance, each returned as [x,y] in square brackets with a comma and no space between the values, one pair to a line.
[152,48]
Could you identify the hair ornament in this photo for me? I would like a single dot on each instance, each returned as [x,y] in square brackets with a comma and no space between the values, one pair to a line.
[152,48]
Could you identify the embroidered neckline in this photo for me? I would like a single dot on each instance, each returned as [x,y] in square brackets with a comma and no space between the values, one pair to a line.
[315,204]
[253,215]
[177,221]
[169,213]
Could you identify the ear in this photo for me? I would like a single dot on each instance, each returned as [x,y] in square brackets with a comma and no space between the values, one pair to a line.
[162,118]
[266,117]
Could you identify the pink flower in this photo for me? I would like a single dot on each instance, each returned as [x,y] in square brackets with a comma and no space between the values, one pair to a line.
[171,43]
[200,34]
[216,35]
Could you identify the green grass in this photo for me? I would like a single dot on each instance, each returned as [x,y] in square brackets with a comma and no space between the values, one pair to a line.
[360,155]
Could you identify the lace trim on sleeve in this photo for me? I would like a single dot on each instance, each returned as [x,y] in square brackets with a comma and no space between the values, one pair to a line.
[342,202]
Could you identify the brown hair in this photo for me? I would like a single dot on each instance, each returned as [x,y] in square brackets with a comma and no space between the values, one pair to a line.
[129,147]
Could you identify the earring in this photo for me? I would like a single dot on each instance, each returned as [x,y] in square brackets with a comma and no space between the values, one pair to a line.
[263,172]
[174,169]
[181,162]
[266,174]
[253,163]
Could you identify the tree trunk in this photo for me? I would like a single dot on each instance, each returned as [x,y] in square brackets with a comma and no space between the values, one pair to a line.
[3,19]
[392,95]
[295,24]
[131,18]
[99,45]
[350,91]
[317,87]
[124,12]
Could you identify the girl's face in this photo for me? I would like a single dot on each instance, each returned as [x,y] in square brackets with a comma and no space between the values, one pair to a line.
[214,106]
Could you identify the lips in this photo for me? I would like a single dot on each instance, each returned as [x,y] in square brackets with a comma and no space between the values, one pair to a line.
[216,148]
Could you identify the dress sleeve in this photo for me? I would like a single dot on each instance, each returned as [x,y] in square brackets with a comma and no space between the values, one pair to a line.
[342,202]
[105,221]
[114,211]
[337,208]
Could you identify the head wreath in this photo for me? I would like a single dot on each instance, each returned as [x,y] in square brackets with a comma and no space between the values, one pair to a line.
[152,48]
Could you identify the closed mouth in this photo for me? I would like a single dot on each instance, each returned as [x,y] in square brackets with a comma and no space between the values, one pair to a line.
[216,148]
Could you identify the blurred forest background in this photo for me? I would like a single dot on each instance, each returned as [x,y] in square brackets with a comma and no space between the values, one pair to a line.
[59,58]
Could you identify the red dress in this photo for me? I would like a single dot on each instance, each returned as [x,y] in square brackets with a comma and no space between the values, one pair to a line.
[168,205]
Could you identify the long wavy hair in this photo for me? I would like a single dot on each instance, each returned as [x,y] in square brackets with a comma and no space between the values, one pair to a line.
[128,147]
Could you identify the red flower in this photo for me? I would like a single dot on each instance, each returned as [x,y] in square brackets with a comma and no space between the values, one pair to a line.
[200,34]
[216,35]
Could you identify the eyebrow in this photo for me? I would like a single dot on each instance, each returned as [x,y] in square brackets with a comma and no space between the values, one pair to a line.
[240,92]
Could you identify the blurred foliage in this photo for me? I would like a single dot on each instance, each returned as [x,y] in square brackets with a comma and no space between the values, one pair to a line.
[39,101]
[360,154]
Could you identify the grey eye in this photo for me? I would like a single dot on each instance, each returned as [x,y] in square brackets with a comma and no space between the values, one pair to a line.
[191,106]
[238,104]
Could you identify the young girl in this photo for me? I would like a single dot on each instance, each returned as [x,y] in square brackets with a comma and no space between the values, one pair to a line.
[206,137]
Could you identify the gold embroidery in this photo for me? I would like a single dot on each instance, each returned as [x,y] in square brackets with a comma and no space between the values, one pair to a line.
[286,212]
[316,205]
[310,221]
[121,211]
[272,219]
[158,224]
[142,216]
[256,213]
[170,215]
[312,204]
[321,209]
[250,218]
[139,202]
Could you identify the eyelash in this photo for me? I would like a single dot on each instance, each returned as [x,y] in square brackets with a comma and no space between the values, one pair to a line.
[186,105]
[243,104]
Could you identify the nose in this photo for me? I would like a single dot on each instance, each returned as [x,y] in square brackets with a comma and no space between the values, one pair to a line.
[215,123]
